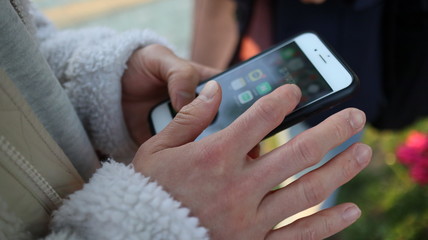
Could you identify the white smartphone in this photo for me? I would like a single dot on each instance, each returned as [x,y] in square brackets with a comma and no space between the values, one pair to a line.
[324,79]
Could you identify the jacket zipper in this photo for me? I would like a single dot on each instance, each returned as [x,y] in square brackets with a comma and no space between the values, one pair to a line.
[29,170]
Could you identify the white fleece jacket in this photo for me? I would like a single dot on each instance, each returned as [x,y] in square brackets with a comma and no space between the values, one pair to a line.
[89,63]
[117,203]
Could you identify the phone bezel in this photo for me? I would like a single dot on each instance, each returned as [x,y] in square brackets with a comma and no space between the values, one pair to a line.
[330,68]
[163,117]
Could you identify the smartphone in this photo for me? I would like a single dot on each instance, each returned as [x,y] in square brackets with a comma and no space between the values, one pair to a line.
[305,60]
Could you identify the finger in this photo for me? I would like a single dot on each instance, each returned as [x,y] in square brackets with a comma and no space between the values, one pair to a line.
[205,72]
[182,83]
[261,118]
[255,152]
[183,77]
[316,186]
[193,118]
[182,80]
[320,225]
[309,147]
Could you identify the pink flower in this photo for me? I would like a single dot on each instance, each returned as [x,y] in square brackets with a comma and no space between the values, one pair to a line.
[407,155]
[419,172]
[418,141]
[414,154]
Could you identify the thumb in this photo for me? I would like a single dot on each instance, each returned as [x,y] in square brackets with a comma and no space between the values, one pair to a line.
[193,118]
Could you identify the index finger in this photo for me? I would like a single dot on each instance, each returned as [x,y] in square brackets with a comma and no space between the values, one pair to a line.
[261,118]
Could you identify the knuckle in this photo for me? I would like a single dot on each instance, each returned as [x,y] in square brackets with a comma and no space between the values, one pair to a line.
[147,146]
[153,145]
[267,111]
[350,167]
[213,160]
[313,191]
[341,131]
[184,116]
[214,150]
[306,151]
[155,48]
[188,115]
[308,233]
[348,171]
[328,226]
[185,71]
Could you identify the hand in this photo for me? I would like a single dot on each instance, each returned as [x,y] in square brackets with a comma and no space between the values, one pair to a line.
[153,74]
[231,192]
[313,1]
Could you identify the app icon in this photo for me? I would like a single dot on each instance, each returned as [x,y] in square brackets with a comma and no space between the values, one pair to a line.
[245,97]
[283,71]
[295,64]
[238,83]
[263,88]
[314,89]
[288,53]
[256,75]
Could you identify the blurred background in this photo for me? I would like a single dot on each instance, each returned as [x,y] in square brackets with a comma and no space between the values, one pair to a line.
[392,192]
[169,18]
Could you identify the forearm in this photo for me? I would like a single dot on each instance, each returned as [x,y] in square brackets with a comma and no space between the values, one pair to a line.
[215,32]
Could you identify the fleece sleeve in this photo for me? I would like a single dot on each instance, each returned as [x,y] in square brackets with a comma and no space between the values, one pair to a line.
[89,63]
[119,203]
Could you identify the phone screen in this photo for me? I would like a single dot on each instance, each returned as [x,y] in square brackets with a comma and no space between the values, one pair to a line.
[242,86]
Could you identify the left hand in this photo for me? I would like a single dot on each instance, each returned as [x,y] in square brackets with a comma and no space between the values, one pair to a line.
[155,73]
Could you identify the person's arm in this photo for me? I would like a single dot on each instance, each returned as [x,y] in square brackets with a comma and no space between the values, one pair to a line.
[215,32]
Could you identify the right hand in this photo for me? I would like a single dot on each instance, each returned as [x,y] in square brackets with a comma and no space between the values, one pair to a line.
[230,192]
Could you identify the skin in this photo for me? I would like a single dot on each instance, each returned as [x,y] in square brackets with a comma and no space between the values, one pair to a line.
[230,190]
[155,73]
[216,32]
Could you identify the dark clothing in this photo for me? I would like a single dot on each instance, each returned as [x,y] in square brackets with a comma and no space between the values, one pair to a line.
[352,29]
[405,63]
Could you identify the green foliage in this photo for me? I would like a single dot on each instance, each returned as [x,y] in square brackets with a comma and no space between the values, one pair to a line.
[394,206]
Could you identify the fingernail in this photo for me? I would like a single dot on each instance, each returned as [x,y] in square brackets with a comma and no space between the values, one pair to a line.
[356,119]
[209,91]
[351,213]
[362,153]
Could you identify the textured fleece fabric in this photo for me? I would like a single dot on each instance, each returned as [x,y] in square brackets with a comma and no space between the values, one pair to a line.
[89,63]
[121,204]
[117,203]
